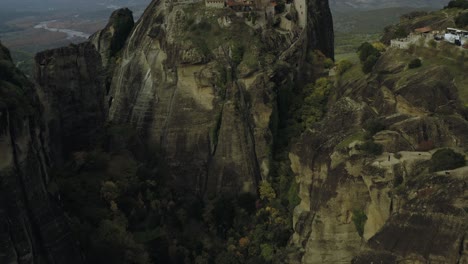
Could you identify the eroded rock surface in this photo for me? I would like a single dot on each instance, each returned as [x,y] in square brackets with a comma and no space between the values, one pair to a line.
[33,227]
[360,207]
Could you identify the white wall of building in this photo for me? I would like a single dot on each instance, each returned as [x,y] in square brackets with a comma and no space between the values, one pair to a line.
[214,4]
[301,7]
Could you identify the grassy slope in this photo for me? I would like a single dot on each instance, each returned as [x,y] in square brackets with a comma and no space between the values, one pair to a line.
[355,27]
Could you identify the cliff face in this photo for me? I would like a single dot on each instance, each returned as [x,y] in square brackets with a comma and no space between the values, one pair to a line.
[111,39]
[33,228]
[320,29]
[360,205]
[70,83]
[199,84]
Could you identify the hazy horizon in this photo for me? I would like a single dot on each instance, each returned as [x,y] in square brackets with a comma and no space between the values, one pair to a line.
[50,5]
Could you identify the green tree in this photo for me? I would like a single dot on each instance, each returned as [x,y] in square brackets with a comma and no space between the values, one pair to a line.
[458,4]
[359,219]
[416,63]
[343,66]
[368,55]
[237,54]
[267,252]
[369,63]
[462,20]
[446,159]
[371,147]
[365,50]
[266,191]
[401,32]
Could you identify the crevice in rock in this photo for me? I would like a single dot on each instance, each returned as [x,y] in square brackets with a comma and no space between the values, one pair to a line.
[250,134]
[36,152]
[18,257]
[461,249]
[169,111]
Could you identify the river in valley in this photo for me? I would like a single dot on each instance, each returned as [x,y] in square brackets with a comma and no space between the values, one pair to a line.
[70,33]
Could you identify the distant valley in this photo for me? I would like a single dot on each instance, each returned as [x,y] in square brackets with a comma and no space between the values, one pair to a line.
[27,26]
[346,5]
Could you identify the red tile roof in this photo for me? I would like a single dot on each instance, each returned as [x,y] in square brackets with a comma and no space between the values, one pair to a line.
[423,30]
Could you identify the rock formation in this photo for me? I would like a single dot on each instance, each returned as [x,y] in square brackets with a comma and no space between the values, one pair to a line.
[203,92]
[110,40]
[361,207]
[33,227]
[70,83]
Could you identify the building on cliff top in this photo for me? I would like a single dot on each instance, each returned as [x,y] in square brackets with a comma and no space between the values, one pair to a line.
[456,36]
[215,3]
[423,30]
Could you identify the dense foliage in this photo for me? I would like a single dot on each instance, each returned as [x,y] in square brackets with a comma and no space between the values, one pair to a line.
[359,219]
[368,55]
[371,148]
[458,4]
[446,159]
[415,63]
[342,66]
[462,20]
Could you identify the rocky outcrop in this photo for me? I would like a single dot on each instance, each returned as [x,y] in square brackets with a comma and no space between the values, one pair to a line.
[33,228]
[111,39]
[438,20]
[320,31]
[361,206]
[203,92]
[70,83]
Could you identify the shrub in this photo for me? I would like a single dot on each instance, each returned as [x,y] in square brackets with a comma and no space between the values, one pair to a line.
[368,55]
[266,191]
[373,127]
[328,63]
[416,63]
[343,66]
[280,7]
[401,32]
[462,20]
[446,159]
[371,147]
[379,46]
[366,50]
[267,252]
[368,65]
[458,4]
[293,198]
[314,105]
[237,54]
[359,220]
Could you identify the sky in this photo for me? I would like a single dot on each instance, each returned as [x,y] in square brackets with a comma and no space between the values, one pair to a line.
[47,5]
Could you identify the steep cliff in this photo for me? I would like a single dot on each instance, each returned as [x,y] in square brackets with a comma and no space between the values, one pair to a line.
[368,190]
[33,227]
[320,29]
[70,83]
[111,39]
[200,85]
